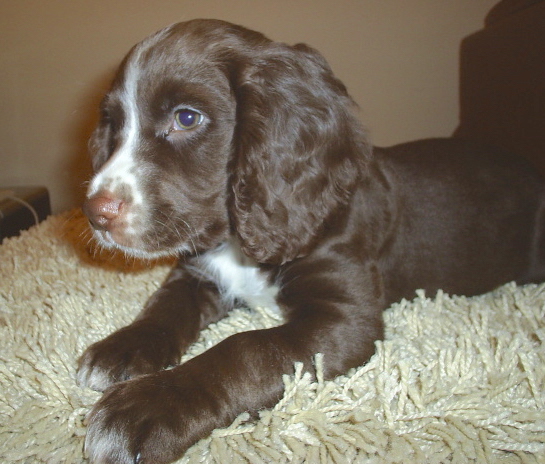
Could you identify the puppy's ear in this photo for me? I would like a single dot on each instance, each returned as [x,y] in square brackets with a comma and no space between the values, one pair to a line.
[102,141]
[299,151]
[99,145]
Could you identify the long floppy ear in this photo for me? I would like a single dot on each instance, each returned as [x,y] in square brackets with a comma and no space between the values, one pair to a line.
[99,145]
[299,152]
[102,141]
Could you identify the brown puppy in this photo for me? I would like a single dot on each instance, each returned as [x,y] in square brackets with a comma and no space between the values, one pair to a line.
[243,157]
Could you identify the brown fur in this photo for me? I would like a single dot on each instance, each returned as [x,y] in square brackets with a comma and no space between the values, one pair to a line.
[283,165]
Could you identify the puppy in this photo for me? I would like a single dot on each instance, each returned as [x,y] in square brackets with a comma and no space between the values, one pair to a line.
[244,158]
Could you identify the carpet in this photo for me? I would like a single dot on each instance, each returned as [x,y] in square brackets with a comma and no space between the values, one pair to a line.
[457,380]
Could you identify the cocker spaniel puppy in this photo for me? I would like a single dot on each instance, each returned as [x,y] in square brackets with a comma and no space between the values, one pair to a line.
[244,158]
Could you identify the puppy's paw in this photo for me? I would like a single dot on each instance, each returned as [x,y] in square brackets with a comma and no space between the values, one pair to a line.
[140,348]
[150,419]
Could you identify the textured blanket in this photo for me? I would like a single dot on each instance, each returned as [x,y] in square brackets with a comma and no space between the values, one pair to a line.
[456,380]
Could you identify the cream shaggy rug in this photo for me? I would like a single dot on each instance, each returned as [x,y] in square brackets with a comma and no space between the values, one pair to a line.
[457,379]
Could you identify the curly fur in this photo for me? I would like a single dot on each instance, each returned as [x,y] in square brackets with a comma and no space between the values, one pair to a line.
[273,197]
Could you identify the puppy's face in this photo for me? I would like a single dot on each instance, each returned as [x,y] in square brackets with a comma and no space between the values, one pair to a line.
[211,129]
[161,150]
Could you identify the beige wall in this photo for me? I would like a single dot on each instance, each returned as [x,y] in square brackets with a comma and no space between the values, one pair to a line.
[399,59]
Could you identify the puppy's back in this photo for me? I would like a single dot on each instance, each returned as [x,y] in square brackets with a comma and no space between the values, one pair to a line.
[468,217]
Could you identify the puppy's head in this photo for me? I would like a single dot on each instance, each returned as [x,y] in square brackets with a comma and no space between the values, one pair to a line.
[210,129]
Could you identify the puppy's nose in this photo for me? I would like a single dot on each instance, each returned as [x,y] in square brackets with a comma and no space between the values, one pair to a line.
[102,210]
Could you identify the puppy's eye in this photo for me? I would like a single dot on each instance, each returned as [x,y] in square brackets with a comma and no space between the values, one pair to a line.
[186,119]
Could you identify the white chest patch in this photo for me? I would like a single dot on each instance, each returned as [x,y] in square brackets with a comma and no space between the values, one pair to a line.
[238,276]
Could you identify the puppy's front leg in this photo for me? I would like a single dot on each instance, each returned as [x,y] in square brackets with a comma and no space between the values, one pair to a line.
[169,323]
[156,417]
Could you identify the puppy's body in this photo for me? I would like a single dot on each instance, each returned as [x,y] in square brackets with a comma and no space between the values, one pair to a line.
[243,156]
[467,219]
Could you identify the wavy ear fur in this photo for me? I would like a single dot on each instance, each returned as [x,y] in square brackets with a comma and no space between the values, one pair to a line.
[98,146]
[299,151]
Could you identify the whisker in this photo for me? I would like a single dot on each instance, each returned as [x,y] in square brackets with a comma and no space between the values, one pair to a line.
[171,225]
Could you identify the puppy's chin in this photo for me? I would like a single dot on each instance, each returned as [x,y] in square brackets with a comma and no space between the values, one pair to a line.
[137,248]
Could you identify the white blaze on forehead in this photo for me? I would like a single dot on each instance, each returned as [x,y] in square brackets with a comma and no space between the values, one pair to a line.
[121,172]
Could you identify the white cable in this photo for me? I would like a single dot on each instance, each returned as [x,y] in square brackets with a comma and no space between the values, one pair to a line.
[26,204]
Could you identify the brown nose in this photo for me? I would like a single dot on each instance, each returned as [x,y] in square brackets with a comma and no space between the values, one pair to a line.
[102,210]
